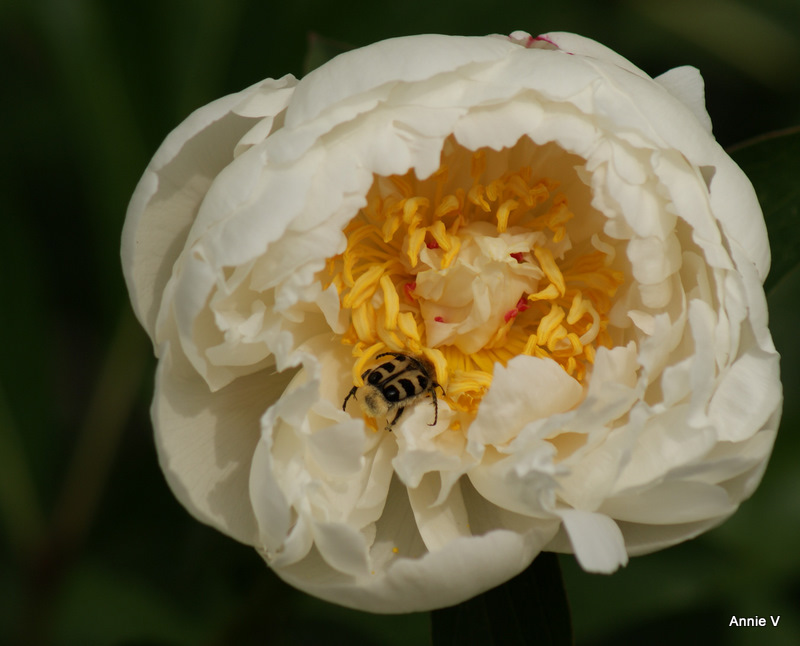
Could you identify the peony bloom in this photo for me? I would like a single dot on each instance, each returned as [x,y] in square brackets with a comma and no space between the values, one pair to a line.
[554,234]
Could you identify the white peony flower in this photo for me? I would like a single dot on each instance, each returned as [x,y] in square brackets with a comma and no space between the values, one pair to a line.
[557,234]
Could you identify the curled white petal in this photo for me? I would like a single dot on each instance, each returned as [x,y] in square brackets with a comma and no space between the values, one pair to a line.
[686,84]
[596,540]
[167,198]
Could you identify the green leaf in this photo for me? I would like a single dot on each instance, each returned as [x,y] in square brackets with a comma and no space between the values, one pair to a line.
[772,162]
[530,609]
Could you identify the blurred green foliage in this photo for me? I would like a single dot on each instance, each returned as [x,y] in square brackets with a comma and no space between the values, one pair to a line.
[94,549]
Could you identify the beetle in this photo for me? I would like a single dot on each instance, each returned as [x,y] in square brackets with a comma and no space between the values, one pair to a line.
[395,384]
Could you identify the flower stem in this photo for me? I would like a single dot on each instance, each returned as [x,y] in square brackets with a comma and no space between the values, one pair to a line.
[531,608]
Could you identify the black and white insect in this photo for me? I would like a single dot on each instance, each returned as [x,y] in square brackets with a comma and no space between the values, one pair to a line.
[395,384]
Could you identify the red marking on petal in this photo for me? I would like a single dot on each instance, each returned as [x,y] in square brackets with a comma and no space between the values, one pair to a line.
[517,255]
[432,244]
[438,319]
[543,38]
[408,288]
[510,314]
[522,303]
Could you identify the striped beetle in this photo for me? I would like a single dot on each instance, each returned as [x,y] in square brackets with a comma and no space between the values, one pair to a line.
[399,382]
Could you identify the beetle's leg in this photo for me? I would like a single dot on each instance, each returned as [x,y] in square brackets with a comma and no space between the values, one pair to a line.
[352,393]
[435,407]
[396,417]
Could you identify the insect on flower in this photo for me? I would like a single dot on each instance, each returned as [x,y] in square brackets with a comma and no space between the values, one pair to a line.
[399,382]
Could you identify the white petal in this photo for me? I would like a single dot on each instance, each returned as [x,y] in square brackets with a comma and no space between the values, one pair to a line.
[406,59]
[424,449]
[582,46]
[742,486]
[270,507]
[594,468]
[735,203]
[338,449]
[654,260]
[526,390]
[343,547]
[672,502]
[727,461]
[438,522]
[686,84]
[523,482]
[667,441]
[498,125]
[438,579]
[750,392]
[206,441]
[172,188]
[614,376]
[596,540]
[644,539]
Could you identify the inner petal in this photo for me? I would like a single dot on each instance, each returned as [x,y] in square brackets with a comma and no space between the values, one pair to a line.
[478,263]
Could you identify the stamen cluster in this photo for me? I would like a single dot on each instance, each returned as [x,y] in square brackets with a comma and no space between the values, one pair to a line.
[413,230]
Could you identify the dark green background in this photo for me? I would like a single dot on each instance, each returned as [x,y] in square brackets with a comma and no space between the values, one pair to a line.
[94,549]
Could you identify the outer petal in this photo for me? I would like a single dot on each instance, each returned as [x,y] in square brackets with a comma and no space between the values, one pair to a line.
[586,47]
[733,199]
[466,567]
[686,85]
[596,540]
[166,200]
[206,441]
[408,59]
[734,202]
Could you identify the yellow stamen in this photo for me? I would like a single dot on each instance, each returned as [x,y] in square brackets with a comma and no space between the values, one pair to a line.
[531,344]
[448,257]
[390,226]
[547,294]
[412,207]
[439,234]
[448,205]
[495,189]
[436,357]
[408,325]
[476,196]
[478,165]
[483,362]
[565,319]
[364,287]
[403,184]
[555,338]
[550,268]
[391,339]
[549,323]
[503,213]
[364,322]
[415,241]
[391,302]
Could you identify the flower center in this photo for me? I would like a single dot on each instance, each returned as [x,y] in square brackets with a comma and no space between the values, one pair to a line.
[471,266]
